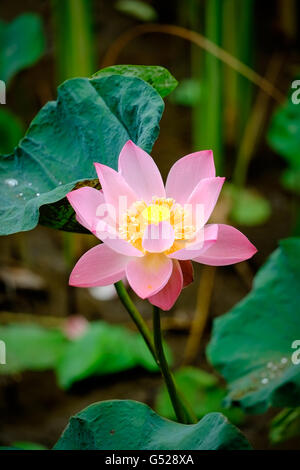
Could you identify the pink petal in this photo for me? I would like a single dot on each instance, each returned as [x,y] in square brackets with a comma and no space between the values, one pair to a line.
[85,202]
[140,172]
[100,266]
[203,199]
[120,246]
[107,232]
[149,274]
[158,237]
[115,189]
[231,247]
[166,297]
[206,237]
[186,173]
[187,272]
[82,222]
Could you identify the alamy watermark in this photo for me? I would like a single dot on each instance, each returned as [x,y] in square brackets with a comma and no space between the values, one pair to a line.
[296,354]
[2,352]
[151,222]
[2,92]
[296,94]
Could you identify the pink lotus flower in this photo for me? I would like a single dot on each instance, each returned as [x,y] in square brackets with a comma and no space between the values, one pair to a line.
[152,238]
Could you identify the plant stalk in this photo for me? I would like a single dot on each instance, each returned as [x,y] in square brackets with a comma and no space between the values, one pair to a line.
[136,317]
[189,416]
[74,46]
[209,114]
[164,367]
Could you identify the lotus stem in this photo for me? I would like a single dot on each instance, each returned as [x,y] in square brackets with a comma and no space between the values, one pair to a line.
[186,413]
[136,317]
[164,367]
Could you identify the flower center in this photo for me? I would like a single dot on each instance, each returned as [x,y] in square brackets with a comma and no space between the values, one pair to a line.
[154,213]
[140,215]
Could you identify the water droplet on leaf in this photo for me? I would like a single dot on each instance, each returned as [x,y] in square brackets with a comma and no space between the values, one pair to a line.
[11,182]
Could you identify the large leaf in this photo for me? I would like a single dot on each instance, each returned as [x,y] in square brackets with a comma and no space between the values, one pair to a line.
[103,349]
[22,44]
[158,77]
[202,392]
[30,347]
[130,425]
[252,345]
[90,121]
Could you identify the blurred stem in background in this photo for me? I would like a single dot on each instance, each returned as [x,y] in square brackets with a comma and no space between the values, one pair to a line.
[287,12]
[207,133]
[74,44]
[208,114]
[238,33]
[75,57]
[225,95]
[255,125]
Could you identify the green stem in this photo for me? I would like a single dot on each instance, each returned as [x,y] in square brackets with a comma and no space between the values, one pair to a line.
[245,23]
[136,317]
[231,77]
[208,113]
[74,41]
[190,417]
[166,373]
